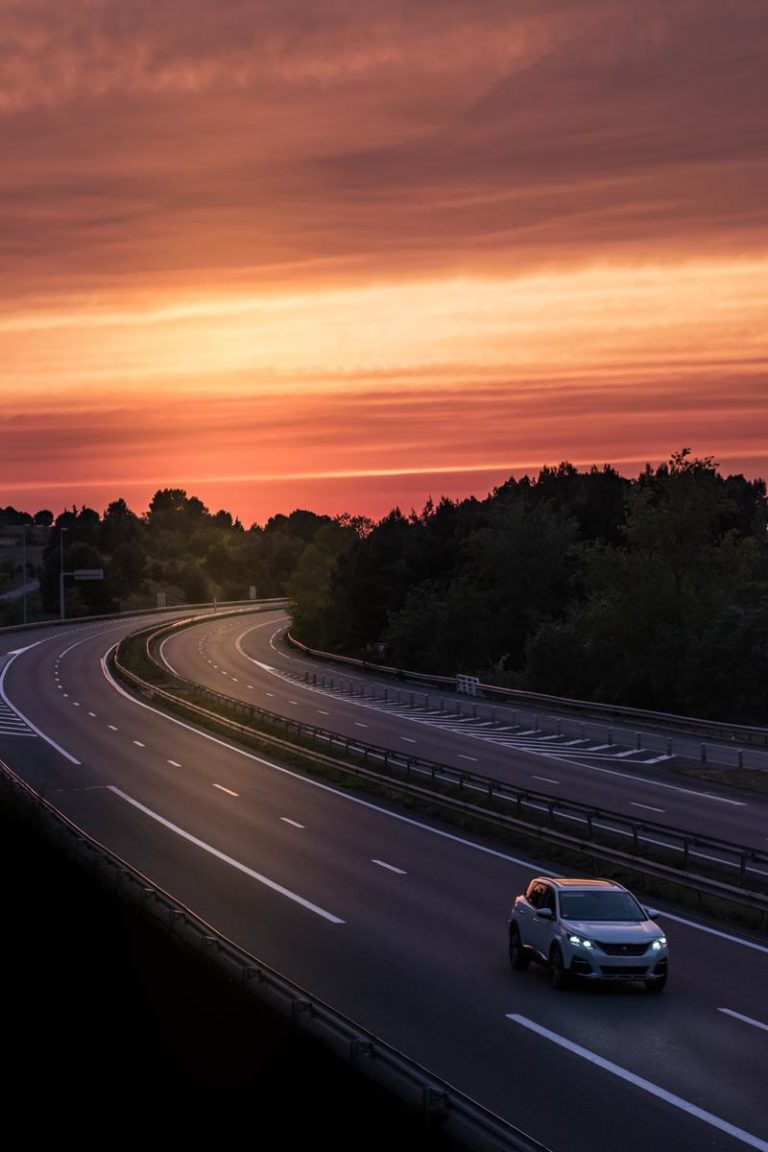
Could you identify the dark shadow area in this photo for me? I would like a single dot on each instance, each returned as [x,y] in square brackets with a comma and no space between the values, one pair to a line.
[113,1031]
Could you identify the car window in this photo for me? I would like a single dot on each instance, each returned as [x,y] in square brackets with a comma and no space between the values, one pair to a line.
[548,899]
[603,906]
[535,894]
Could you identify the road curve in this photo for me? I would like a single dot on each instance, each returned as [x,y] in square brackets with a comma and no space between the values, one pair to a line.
[398,925]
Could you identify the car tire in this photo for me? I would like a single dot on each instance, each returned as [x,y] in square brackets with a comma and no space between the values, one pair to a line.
[559,976]
[657,985]
[518,957]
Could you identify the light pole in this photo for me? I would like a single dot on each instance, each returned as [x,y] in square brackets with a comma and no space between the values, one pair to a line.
[24,572]
[61,572]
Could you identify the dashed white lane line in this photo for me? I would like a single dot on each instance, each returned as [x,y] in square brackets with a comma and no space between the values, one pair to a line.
[113,727]
[546,779]
[648,807]
[174,763]
[226,859]
[389,867]
[463,757]
[408,739]
[321,713]
[744,1019]
[640,1082]
[358,724]
[139,744]
[228,791]
[293,823]
[91,713]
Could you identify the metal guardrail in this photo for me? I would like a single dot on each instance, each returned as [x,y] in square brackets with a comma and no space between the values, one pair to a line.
[443,1108]
[608,713]
[528,810]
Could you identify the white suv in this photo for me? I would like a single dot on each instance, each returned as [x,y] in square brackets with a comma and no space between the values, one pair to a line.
[591,929]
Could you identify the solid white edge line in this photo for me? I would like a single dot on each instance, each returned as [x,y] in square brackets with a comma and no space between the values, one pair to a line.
[226,859]
[744,1019]
[27,721]
[499,855]
[639,1082]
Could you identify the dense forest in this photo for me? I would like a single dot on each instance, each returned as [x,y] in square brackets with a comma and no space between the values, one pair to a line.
[650,592]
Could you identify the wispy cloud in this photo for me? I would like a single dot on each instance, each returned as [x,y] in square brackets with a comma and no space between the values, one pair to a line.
[381,237]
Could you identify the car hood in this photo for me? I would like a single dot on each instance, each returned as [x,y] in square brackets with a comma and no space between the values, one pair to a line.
[615,930]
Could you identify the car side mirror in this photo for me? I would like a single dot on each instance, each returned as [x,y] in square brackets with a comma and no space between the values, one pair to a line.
[651,913]
[544,913]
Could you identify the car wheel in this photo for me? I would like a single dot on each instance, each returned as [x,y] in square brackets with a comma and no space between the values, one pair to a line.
[657,985]
[559,977]
[518,957]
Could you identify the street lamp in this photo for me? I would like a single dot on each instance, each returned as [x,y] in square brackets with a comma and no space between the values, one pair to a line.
[62,530]
[24,571]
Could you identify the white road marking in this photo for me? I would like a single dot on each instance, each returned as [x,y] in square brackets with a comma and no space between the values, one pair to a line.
[228,791]
[359,725]
[113,727]
[546,779]
[408,739]
[321,713]
[401,819]
[139,744]
[745,1019]
[293,823]
[91,713]
[648,807]
[640,1082]
[389,867]
[226,859]
[463,757]
[175,763]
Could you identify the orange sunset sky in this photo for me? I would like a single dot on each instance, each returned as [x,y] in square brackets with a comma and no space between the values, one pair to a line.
[347,256]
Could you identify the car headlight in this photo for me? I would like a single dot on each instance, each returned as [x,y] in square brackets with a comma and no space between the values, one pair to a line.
[657,945]
[579,941]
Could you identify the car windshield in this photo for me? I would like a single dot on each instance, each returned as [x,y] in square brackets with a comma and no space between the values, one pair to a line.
[600,906]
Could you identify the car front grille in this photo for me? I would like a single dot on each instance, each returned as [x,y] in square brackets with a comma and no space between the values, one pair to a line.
[612,949]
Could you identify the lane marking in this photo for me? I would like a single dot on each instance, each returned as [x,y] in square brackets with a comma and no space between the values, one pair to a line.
[408,739]
[175,763]
[744,1019]
[228,791]
[293,823]
[546,779]
[472,758]
[743,942]
[358,724]
[640,1082]
[113,727]
[648,807]
[139,744]
[389,867]
[258,876]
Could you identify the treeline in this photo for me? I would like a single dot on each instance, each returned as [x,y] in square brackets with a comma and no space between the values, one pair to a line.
[176,553]
[651,593]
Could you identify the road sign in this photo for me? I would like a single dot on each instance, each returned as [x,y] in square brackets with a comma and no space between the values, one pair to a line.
[88,573]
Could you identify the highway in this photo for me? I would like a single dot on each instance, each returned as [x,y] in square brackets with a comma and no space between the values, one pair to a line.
[398,924]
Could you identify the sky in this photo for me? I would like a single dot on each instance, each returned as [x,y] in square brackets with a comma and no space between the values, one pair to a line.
[360,254]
